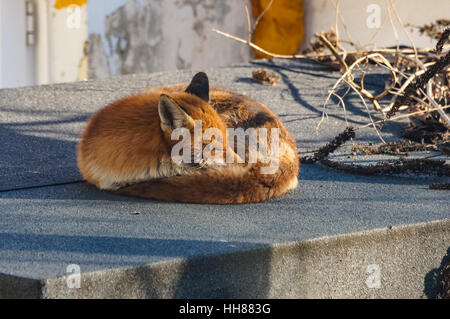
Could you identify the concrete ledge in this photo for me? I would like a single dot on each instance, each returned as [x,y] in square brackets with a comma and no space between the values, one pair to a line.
[407,257]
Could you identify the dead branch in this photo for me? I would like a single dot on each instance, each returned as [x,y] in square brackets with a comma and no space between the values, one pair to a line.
[419,84]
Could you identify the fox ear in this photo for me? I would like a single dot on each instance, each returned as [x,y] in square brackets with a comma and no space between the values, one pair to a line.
[199,86]
[172,115]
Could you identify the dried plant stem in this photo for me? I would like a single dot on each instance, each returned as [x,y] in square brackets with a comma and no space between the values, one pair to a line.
[336,20]
[437,107]
[368,111]
[254,46]
[389,6]
[360,88]
[315,55]
[333,89]
[346,76]
[333,50]
[420,81]
[341,101]
[261,15]
[331,146]
[249,25]
[411,85]
[338,13]
[398,117]
[404,29]
[402,89]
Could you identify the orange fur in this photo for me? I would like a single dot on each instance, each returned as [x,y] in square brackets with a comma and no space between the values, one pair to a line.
[126,148]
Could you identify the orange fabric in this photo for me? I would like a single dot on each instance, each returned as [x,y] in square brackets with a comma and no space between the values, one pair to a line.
[281,28]
[61,4]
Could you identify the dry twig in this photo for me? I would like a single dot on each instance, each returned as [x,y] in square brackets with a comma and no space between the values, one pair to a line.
[419,84]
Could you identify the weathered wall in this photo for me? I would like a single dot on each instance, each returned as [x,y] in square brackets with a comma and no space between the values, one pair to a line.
[154,35]
[320,16]
[133,36]
[17,65]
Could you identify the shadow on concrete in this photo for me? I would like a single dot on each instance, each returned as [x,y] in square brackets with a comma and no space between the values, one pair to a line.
[243,274]
[352,104]
[123,246]
[374,83]
[76,190]
[201,269]
[297,117]
[239,274]
[320,172]
[246,80]
[434,281]
[299,66]
[29,159]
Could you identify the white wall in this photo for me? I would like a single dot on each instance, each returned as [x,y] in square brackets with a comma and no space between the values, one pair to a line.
[57,55]
[320,15]
[67,33]
[16,59]
[1,44]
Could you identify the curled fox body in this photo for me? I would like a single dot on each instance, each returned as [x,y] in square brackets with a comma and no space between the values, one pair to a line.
[127,147]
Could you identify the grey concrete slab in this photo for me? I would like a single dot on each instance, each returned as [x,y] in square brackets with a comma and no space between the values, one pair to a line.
[46,227]
[39,126]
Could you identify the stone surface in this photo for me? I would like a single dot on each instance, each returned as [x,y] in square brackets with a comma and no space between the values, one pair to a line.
[50,219]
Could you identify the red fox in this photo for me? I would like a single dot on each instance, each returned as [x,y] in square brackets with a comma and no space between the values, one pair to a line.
[128,147]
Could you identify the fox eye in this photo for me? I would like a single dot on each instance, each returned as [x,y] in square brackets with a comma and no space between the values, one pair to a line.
[199,86]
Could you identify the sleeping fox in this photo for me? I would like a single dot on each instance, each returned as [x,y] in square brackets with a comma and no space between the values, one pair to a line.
[189,143]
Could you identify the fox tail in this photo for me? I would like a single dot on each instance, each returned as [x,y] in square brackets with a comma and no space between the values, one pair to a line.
[233,185]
